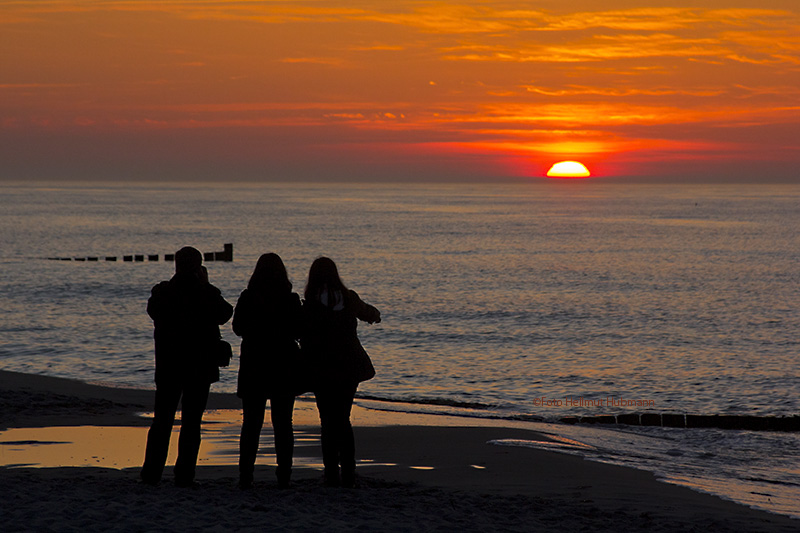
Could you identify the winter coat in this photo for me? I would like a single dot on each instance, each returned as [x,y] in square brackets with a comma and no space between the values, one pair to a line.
[330,341]
[269,326]
[187,313]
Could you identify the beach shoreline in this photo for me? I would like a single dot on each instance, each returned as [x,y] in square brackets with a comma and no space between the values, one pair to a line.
[419,478]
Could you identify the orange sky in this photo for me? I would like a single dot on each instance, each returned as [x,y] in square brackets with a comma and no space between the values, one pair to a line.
[398,90]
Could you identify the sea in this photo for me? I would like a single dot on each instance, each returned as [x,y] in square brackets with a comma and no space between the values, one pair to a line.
[535,303]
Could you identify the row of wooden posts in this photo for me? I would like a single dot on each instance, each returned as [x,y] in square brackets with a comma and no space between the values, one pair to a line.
[225,255]
[679,420]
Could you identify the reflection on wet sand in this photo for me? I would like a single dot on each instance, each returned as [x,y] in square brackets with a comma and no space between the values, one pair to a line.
[114,447]
[123,447]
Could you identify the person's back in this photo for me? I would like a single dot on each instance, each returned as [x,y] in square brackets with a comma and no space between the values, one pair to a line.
[187,312]
[330,335]
[329,339]
[269,327]
[267,317]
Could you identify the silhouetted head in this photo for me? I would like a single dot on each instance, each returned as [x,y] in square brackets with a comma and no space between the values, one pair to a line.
[188,259]
[323,274]
[270,275]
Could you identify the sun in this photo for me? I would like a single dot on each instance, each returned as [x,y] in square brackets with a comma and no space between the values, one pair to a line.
[568,169]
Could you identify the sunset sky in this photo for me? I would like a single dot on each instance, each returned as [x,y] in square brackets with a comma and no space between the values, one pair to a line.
[385,90]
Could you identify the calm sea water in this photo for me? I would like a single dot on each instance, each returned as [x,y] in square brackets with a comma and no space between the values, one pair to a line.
[501,301]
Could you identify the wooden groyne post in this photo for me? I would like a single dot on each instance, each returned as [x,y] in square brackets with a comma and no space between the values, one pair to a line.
[225,255]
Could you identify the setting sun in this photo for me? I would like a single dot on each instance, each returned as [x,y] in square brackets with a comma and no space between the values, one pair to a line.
[568,169]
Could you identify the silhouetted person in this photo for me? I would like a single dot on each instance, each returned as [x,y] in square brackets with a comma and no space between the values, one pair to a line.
[187,312]
[329,340]
[267,317]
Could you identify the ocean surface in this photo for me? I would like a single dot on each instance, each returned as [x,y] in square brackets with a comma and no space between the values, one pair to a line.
[525,302]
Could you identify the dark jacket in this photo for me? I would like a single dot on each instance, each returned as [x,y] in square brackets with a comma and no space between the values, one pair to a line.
[269,326]
[187,313]
[330,340]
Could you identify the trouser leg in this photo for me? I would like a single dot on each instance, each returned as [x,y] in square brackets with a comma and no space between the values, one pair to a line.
[338,443]
[166,404]
[252,422]
[195,398]
[347,446]
[330,447]
[281,410]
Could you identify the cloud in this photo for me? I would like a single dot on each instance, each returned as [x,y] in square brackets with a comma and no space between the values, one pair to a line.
[773,90]
[331,61]
[268,12]
[38,85]
[378,48]
[599,48]
[441,17]
[577,90]
[642,19]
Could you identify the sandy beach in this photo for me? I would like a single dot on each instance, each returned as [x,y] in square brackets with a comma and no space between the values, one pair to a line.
[419,478]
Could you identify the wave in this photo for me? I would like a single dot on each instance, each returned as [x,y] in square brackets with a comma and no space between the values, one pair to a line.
[670,420]
[430,401]
[677,420]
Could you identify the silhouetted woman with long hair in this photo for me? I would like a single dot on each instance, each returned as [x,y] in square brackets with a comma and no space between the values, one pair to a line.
[267,317]
[330,316]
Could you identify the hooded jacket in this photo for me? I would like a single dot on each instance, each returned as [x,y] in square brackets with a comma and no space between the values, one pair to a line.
[187,313]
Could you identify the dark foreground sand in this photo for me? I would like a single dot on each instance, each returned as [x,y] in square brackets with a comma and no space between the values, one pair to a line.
[472,485]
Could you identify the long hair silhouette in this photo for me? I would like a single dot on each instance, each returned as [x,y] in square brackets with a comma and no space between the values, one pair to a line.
[270,275]
[322,275]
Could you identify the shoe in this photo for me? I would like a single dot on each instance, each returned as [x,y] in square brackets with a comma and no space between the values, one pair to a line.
[349,480]
[284,475]
[187,484]
[245,479]
[146,479]
[331,479]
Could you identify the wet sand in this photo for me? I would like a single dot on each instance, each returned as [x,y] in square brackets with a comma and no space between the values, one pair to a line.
[413,478]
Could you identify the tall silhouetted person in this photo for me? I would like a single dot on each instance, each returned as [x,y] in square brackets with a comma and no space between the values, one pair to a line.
[267,317]
[187,312]
[329,340]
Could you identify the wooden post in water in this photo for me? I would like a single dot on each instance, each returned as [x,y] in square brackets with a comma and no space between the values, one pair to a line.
[225,255]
